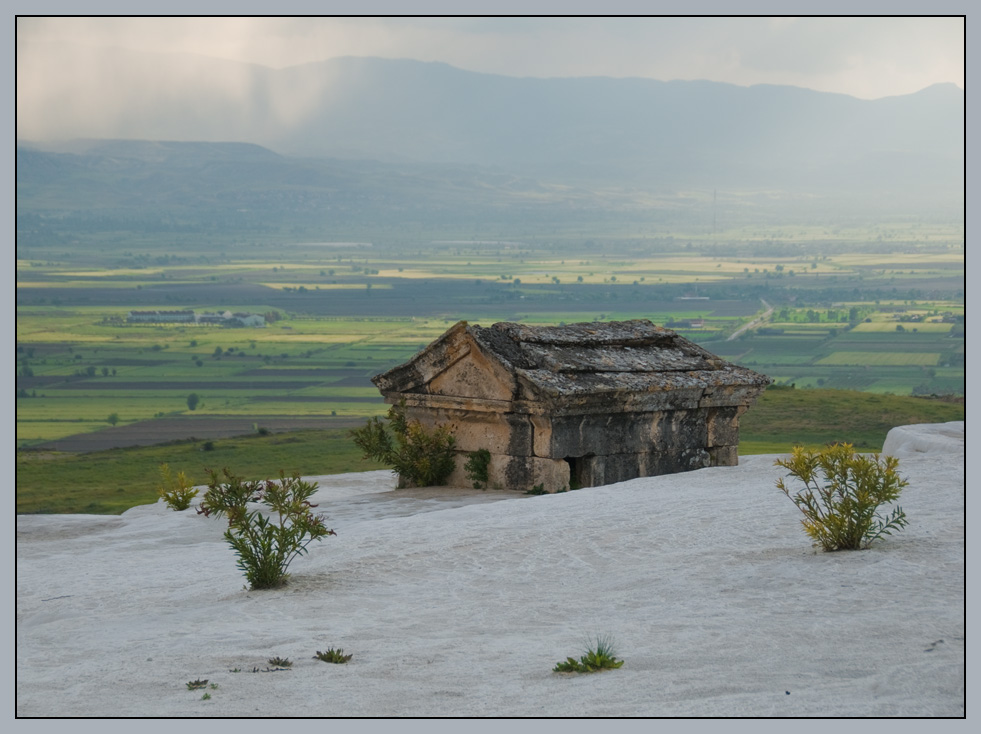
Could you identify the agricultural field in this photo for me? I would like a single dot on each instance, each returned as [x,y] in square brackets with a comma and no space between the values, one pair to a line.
[904,349]
[111,373]
[346,311]
[846,311]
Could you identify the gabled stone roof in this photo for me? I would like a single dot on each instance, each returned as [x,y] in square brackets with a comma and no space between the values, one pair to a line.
[631,365]
[618,346]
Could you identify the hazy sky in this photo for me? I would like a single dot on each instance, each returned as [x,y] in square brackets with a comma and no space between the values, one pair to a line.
[867,57]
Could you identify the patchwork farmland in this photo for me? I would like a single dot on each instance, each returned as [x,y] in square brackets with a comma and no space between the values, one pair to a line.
[340,314]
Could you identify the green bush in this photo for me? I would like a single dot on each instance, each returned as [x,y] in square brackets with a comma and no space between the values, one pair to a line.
[265,548]
[422,458]
[599,656]
[177,491]
[842,494]
[476,468]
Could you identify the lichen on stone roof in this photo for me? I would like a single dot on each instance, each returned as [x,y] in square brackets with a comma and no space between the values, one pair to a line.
[598,333]
[616,346]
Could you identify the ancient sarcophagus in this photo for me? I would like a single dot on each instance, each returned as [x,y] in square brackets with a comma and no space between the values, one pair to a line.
[579,405]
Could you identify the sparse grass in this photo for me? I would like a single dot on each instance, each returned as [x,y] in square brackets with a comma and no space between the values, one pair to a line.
[175,491]
[599,655]
[193,685]
[278,662]
[333,656]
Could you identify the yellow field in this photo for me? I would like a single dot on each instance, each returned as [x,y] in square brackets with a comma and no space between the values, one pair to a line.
[121,272]
[886,326]
[922,359]
[328,286]
[128,284]
[673,269]
[921,259]
[307,338]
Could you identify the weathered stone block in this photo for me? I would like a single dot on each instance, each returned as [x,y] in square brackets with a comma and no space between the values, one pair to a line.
[724,455]
[722,425]
[612,433]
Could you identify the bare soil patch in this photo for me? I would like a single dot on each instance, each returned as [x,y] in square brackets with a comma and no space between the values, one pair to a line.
[163,430]
[303,372]
[312,399]
[110,384]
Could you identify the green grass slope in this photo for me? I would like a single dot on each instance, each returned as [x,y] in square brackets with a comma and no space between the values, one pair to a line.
[783,417]
[110,482]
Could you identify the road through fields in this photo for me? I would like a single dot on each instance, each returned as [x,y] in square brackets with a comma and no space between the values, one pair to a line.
[754,323]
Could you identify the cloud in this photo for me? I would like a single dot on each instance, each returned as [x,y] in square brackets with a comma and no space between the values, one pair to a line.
[854,52]
[64,74]
[865,57]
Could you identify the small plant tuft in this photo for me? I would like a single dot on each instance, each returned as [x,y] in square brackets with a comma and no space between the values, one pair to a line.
[278,662]
[477,468]
[842,494]
[206,696]
[537,489]
[601,655]
[193,685]
[333,656]
[421,457]
[177,491]
[265,548]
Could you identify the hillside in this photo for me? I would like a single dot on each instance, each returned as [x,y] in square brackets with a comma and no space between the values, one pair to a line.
[574,131]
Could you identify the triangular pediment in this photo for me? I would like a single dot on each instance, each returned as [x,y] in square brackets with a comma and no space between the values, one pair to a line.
[454,365]
[474,376]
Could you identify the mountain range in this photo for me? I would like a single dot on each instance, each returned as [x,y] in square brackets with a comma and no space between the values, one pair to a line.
[641,129]
[375,117]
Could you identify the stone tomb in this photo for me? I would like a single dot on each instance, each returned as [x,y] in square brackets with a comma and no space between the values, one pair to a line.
[580,405]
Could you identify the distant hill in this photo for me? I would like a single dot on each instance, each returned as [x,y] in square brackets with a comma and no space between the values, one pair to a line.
[238,188]
[583,131]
